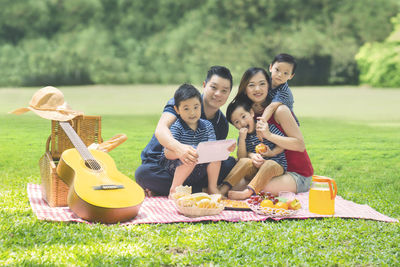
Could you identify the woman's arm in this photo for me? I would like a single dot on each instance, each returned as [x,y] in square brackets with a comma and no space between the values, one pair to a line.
[187,154]
[273,152]
[293,139]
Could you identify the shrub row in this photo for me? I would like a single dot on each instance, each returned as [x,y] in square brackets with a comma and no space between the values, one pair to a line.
[167,41]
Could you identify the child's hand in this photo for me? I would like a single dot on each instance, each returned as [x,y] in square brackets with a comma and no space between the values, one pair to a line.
[243,133]
[258,133]
[257,159]
[262,129]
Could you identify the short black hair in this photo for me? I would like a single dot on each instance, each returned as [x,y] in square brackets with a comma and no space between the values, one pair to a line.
[286,58]
[185,92]
[234,105]
[220,71]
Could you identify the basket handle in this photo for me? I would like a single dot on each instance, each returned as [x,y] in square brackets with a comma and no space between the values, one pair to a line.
[48,144]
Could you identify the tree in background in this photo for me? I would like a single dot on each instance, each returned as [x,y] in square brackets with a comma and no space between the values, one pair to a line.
[61,42]
[379,62]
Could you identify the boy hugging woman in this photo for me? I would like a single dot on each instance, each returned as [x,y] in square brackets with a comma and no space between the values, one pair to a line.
[262,111]
[263,167]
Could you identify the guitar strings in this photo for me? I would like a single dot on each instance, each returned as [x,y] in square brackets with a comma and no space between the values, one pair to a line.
[77,142]
[89,159]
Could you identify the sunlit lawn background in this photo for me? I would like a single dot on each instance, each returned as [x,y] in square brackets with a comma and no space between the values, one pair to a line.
[352,134]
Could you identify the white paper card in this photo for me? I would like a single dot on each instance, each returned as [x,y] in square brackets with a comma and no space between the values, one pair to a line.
[214,150]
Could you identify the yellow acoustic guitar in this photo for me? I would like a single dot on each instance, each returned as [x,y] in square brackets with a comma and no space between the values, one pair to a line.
[98,192]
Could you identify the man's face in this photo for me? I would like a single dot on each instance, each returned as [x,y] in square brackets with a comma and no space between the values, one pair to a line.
[241,118]
[216,91]
[281,72]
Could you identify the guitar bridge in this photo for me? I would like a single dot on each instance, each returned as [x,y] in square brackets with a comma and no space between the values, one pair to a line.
[108,187]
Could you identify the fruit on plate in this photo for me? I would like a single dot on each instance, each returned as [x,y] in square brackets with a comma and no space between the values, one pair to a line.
[261,148]
[257,199]
[281,205]
[267,203]
[294,204]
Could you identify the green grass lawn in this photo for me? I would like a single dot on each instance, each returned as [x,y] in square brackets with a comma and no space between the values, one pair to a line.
[352,135]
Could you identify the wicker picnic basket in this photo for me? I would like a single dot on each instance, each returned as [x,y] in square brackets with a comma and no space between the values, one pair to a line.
[54,190]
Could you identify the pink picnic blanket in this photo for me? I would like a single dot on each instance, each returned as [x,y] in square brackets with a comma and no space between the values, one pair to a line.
[163,210]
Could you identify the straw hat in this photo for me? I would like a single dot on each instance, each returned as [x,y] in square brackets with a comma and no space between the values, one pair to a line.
[49,103]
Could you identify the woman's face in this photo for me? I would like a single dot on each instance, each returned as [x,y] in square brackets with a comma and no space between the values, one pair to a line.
[257,88]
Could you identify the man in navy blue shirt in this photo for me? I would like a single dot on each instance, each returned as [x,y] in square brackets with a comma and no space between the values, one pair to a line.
[152,176]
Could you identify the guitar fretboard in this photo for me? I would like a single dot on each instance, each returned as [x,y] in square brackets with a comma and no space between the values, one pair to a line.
[80,146]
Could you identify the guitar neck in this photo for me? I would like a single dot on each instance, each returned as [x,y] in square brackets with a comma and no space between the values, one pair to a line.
[76,141]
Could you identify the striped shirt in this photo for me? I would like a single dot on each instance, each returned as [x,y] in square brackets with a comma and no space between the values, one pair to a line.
[219,121]
[252,141]
[284,95]
[184,134]
[154,150]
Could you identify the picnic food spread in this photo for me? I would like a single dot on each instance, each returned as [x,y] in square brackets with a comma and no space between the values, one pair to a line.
[235,204]
[197,204]
[267,204]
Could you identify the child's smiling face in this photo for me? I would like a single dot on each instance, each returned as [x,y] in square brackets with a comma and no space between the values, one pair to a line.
[190,111]
[242,118]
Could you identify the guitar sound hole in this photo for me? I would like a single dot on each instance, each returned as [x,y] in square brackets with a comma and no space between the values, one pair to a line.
[92,164]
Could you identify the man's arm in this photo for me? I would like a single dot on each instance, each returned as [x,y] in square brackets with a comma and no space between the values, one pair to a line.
[187,154]
[176,134]
[169,154]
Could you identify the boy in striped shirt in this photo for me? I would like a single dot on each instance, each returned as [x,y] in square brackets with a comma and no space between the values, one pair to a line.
[259,167]
[282,70]
[190,129]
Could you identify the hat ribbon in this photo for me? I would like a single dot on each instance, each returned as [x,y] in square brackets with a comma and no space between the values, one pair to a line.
[59,109]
